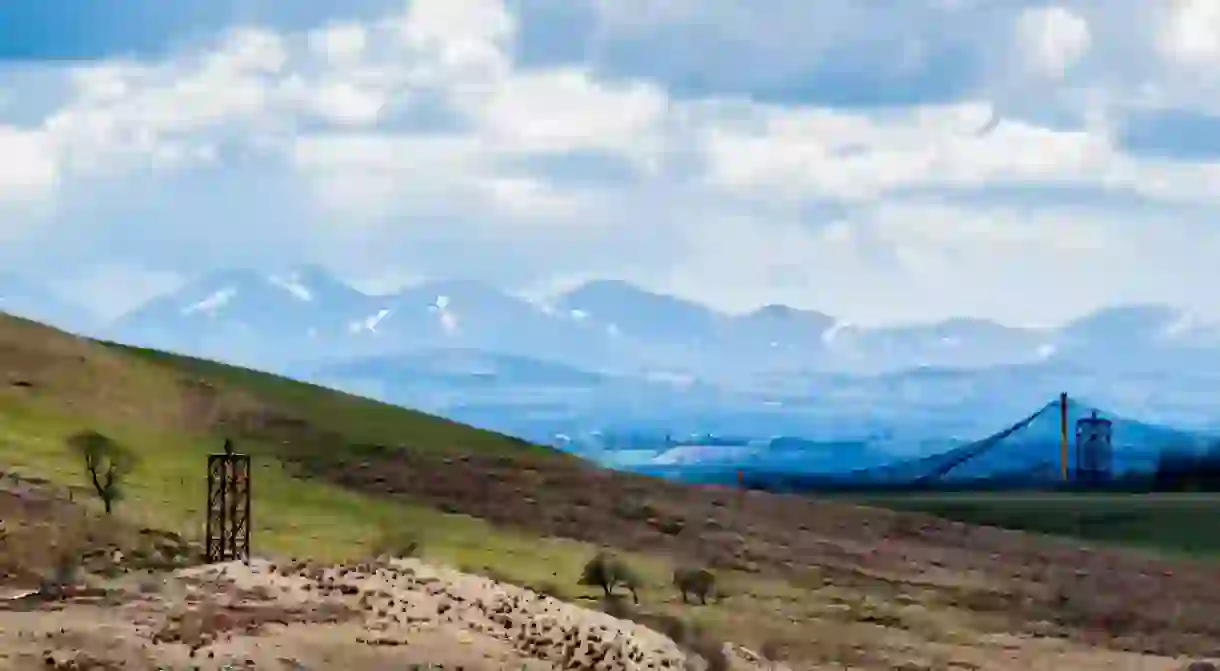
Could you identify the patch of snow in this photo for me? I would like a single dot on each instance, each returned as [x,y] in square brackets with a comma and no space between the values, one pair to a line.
[212,303]
[830,334]
[448,320]
[579,315]
[292,284]
[540,303]
[1183,325]
[368,323]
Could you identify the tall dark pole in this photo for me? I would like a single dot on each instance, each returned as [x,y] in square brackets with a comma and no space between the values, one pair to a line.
[1063,435]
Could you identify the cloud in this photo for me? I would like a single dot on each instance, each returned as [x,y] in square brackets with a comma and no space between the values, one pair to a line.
[1052,39]
[863,157]
[1189,34]
[937,158]
[26,170]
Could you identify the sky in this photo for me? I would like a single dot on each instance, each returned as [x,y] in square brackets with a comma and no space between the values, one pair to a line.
[882,162]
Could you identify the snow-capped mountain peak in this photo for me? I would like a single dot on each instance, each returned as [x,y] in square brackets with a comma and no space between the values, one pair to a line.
[614,326]
[212,303]
[292,284]
[447,318]
[368,323]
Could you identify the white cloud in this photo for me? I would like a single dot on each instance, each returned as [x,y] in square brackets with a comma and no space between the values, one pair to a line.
[27,167]
[170,113]
[369,175]
[857,156]
[401,143]
[463,39]
[340,44]
[530,199]
[347,103]
[565,109]
[1052,39]
[1004,262]
[1189,34]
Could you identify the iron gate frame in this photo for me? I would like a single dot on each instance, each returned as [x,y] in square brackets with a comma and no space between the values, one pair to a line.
[227,530]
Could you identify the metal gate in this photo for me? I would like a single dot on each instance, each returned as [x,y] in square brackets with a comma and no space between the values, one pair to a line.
[228,511]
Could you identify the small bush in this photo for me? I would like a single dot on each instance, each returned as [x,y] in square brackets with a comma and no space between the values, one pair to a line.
[696,582]
[607,572]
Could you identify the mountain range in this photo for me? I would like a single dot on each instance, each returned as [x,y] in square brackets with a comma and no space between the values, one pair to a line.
[306,315]
[610,355]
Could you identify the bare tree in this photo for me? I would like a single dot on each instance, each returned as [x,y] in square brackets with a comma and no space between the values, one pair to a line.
[107,464]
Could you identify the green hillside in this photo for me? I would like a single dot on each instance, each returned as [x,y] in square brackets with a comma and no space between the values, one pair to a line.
[172,411]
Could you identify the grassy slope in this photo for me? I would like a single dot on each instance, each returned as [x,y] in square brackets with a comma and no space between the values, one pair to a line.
[138,405]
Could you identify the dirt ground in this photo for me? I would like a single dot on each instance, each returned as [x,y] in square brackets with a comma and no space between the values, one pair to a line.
[387,615]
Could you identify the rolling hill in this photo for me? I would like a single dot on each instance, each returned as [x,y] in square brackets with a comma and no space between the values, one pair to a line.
[333,472]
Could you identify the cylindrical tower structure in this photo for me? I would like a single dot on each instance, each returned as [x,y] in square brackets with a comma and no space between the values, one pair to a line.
[1094,449]
[1063,436]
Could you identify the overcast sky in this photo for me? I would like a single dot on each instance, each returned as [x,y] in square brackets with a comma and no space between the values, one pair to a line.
[880,161]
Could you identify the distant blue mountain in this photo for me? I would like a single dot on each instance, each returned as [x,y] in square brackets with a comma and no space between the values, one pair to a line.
[246,317]
[612,354]
[460,367]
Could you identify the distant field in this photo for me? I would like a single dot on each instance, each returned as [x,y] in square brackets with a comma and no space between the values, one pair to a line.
[1175,523]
